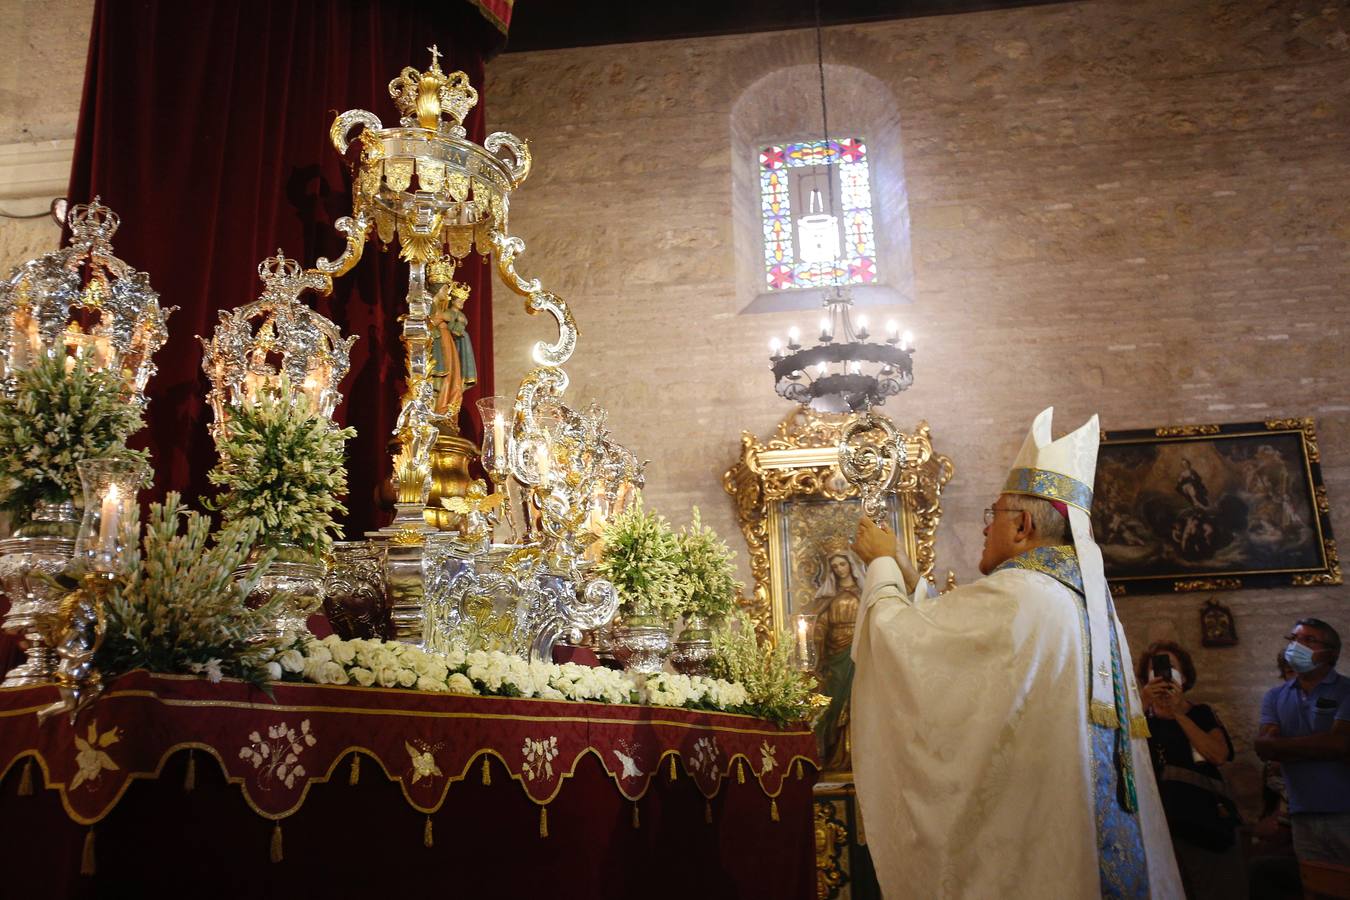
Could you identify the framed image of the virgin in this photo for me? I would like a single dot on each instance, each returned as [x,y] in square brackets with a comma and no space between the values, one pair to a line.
[799,514]
[1213,507]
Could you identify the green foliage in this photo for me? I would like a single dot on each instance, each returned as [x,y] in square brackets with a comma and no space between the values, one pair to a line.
[707,570]
[282,465]
[175,606]
[777,690]
[53,420]
[641,559]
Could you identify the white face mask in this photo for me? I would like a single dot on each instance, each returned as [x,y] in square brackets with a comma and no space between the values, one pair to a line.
[1178,679]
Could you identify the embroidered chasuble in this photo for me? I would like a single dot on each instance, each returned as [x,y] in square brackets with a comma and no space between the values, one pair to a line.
[980,772]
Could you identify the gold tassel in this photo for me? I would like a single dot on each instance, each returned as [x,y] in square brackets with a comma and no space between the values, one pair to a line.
[707,811]
[773,810]
[740,771]
[543,821]
[637,820]
[1103,714]
[672,767]
[426,834]
[799,770]
[354,776]
[1139,727]
[487,775]
[87,866]
[26,779]
[190,779]
[276,855]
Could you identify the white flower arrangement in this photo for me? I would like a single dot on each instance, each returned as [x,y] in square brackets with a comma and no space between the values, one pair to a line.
[333,660]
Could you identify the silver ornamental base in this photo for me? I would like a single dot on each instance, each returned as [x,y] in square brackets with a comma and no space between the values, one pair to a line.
[643,643]
[353,589]
[694,650]
[26,562]
[301,582]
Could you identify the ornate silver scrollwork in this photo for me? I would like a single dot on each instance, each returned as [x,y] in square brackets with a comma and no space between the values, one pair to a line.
[873,467]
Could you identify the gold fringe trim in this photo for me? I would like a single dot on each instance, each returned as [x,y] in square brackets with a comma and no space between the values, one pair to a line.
[190,779]
[773,810]
[543,821]
[740,771]
[707,811]
[799,770]
[637,819]
[275,853]
[672,768]
[87,864]
[1139,727]
[26,779]
[487,776]
[1103,714]
[427,840]
[354,776]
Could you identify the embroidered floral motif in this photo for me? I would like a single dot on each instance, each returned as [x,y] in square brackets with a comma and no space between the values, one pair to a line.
[277,757]
[1060,563]
[705,757]
[627,760]
[423,761]
[766,758]
[539,758]
[90,758]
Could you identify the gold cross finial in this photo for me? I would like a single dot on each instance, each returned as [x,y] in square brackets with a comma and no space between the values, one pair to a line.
[435,57]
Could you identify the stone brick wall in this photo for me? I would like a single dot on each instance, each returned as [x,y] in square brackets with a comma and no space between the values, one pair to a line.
[1131,208]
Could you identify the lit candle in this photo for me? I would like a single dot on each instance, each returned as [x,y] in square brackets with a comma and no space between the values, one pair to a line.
[801,640]
[892,330]
[110,514]
[862,327]
[826,333]
[794,336]
[774,346]
[498,442]
[907,341]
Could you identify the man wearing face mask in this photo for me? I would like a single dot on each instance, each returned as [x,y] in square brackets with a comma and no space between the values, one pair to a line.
[1305,725]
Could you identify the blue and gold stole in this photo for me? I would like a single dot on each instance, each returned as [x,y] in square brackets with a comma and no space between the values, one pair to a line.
[1121,858]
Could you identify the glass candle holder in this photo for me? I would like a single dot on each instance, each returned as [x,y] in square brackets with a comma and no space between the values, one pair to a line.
[110,484]
[804,641]
[498,414]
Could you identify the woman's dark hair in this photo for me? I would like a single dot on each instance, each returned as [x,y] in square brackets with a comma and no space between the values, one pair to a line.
[1142,670]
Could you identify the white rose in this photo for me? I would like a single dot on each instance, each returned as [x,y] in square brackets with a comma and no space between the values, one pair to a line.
[343,653]
[274,671]
[292,661]
[407,678]
[427,684]
[363,677]
[332,673]
[332,640]
[460,684]
[387,676]
[318,653]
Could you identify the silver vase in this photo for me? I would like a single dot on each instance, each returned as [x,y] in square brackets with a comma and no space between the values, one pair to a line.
[694,650]
[643,643]
[294,574]
[353,590]
[40,550]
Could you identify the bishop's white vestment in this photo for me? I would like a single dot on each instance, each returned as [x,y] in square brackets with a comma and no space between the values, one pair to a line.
[979,770]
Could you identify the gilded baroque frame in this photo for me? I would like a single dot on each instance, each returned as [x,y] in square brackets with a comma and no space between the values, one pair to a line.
[1255,486]
[801,461]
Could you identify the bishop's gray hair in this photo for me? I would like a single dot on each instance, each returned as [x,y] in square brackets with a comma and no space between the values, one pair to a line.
[1049,524]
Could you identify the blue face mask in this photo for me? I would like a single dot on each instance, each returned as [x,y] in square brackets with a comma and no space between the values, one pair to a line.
[1300,657]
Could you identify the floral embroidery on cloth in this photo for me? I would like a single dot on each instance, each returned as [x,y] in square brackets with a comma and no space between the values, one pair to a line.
[423,758]
[539,758]
[766,758]
[705,757]
[90,757]
[627,760]
[277,758]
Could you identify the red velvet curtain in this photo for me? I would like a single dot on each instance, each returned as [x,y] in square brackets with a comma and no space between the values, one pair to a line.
[204,125]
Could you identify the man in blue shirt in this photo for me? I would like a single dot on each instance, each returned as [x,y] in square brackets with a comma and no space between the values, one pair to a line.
[1305,725]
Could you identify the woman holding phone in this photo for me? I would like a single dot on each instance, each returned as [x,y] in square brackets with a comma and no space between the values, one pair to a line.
[1188,743]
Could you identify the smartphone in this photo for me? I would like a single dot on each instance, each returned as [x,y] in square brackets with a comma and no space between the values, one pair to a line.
[1162,666]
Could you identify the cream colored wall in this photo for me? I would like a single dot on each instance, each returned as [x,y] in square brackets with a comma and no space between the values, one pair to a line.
[1136,209]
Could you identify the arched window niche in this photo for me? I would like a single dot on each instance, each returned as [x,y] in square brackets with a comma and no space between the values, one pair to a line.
[782,108]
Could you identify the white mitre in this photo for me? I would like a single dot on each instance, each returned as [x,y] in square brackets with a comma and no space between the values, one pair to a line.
[1064,471]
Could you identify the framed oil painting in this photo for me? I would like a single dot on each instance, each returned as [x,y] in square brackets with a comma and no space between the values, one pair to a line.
[798,514]
[1213,507]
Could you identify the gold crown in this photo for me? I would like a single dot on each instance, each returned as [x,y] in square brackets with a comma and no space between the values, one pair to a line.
[459,290]
[836,546]
[422,97]
[441,270]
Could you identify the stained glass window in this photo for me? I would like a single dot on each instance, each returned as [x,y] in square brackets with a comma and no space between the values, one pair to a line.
[838,172]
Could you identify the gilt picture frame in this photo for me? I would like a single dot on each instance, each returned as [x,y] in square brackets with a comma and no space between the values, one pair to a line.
[1213,507]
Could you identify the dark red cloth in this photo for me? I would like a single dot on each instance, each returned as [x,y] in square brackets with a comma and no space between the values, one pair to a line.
[742,828]
[205,127]
[582,656]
